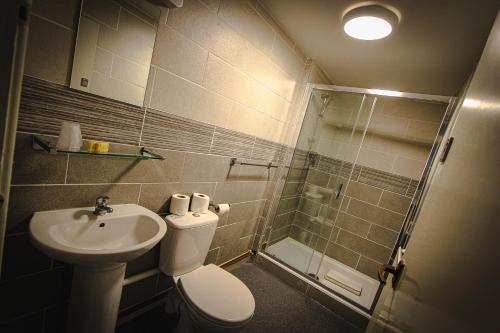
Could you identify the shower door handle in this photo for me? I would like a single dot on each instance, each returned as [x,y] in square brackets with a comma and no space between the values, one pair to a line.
[396,270]
[339,190]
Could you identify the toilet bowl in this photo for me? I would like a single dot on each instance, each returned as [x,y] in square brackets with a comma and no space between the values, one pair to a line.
[207,297]
[211,299]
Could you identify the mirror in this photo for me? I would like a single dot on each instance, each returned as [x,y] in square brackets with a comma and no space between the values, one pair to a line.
[114,47]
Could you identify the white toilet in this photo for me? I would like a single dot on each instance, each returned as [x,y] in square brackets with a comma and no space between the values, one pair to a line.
[208,298]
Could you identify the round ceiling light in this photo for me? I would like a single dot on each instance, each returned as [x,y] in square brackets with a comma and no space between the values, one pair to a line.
[370,22]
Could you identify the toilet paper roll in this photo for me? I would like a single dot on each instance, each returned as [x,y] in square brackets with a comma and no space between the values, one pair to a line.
[222,208]
[179,204]
[199,203]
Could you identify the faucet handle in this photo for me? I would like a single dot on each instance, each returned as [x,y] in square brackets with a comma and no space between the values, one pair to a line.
[102,200]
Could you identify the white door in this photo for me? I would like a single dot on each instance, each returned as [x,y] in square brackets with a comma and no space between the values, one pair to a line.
[451,282]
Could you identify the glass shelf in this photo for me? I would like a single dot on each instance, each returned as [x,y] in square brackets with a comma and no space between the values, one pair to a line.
[144,153]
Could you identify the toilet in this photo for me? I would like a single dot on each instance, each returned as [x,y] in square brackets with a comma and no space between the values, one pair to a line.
[207,297]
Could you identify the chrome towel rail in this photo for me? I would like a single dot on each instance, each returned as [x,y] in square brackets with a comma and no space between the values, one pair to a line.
[235,161]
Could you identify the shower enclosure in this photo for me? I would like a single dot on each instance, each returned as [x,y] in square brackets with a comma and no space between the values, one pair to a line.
[358,164]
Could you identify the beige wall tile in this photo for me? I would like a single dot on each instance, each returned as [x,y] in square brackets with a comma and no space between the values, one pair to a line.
[179,55]
[173,94]
[353,224]
[285,57]
[229,45]
[232,192]
[382,236]
[317,177]
[375,214]
[248,121]
[245,211]
[212,108]
[240,15]
[36,167]
[342,254]
[363,246]
[395,202]
[363,192]
[193,20]
[226,80]
[234,249]
[368,267]
[274,105]
[202,167]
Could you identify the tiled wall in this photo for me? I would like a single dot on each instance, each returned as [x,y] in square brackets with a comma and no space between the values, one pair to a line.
[225,63]
[222,85]
[371,210]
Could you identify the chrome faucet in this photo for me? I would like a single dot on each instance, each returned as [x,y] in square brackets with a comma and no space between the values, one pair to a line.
[101,205]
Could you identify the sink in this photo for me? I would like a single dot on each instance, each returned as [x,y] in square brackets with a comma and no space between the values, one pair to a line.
[77,236]
[99,247]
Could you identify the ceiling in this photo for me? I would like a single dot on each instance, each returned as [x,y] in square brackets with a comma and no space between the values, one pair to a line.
[433,50]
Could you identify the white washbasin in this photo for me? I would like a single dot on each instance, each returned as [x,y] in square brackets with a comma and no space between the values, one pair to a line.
[77,236]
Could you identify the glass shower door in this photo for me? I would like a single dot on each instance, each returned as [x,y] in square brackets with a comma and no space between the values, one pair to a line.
[327,146]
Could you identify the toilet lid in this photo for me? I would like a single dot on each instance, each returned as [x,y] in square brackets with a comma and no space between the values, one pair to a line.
[218,294]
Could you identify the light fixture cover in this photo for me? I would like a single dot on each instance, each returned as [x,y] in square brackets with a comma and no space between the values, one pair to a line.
[369,22]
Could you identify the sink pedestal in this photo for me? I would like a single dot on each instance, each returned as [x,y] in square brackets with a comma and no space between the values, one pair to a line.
[95,298]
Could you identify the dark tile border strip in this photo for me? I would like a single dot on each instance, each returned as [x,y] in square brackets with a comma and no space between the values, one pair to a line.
[381,179]
[44,105]
[163,130]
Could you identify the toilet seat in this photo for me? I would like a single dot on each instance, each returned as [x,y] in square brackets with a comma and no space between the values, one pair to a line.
[217,295]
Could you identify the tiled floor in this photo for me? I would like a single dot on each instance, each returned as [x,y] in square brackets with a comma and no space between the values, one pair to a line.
[279,309]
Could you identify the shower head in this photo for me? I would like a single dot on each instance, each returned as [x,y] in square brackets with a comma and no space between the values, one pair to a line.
[326,99]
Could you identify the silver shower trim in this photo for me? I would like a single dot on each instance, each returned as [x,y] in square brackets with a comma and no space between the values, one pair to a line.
[425,97]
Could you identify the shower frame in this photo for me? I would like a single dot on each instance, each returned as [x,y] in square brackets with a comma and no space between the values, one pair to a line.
[416,200]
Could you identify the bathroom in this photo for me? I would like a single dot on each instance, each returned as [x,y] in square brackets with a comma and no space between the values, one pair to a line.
[344,178]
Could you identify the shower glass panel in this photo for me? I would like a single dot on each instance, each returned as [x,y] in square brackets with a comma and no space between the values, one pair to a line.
[357,164]
[328,144]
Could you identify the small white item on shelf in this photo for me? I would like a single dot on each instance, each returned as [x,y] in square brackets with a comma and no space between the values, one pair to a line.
[199,203]
[70,137]
[179,204]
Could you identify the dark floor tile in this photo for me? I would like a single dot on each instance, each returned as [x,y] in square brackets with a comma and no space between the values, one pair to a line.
[280,308]
[21,257]
[28,324]
[34,292]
